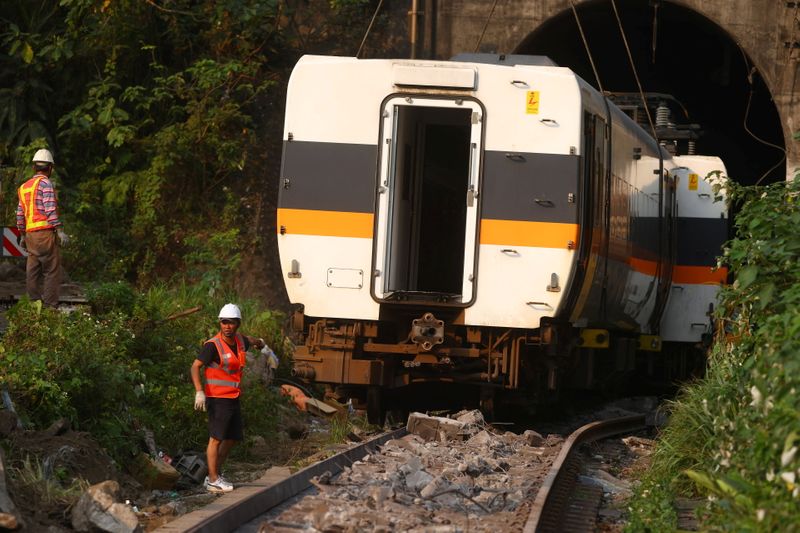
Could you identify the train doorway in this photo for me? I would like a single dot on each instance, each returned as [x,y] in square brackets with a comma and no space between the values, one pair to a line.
[425,249]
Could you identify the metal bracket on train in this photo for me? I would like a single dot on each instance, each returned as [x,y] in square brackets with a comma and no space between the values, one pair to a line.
[594,338]
[427,331]
[650,343]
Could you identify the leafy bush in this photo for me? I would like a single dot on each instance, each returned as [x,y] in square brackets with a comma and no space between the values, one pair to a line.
[734,437]
[127,368]
[68,365]
[111,297]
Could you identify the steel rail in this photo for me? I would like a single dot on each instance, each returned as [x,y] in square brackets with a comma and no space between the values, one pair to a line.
[236,508]
[546,508]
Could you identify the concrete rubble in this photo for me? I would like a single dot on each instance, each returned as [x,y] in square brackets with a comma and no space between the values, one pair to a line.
[99,509]
[447,474]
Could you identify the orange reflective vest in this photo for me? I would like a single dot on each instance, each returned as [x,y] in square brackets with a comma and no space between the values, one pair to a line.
[223,379]
[34,220]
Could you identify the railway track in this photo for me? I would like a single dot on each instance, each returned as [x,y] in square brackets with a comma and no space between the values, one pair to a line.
[558,506]
[485,482]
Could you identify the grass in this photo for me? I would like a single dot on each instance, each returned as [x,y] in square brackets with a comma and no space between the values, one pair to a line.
[32,484]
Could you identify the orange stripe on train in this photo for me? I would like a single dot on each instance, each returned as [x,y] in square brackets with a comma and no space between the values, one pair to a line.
[526,233]
[698,275]
[327,223]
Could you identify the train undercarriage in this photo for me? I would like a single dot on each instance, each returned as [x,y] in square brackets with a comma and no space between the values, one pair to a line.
[386,365]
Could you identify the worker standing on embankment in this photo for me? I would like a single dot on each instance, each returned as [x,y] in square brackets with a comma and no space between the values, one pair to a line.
[223,357]
[41,231]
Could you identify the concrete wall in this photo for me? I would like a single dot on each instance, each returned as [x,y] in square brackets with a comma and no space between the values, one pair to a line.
[765,29]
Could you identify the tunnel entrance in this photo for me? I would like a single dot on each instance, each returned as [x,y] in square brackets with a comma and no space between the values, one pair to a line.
[679,52]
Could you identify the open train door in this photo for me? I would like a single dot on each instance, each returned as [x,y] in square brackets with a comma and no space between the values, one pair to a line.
[427,200]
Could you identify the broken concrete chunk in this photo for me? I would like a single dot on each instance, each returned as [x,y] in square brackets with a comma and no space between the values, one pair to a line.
[154,473]
[480,439]
[475,468]
[605,476]
[380,494]
[607,482]
[418,480]
[532,438]
[474,417]
[98,508]
[413,464]
[434,487]
[432,428]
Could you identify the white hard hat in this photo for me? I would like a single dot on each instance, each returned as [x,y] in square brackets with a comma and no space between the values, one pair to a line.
[230,311]
[43,156]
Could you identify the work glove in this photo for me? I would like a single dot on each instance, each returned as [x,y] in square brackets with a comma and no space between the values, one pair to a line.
[199,401]
[21,241]
[63,238]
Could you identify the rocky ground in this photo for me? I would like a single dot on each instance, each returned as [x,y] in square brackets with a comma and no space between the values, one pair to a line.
[454,484]
[615,465]
[456,474]
[46,471]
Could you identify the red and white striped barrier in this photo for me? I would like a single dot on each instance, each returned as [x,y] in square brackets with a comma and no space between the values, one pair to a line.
[10,246]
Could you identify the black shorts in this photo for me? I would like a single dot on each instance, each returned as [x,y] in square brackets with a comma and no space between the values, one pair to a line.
[224,418]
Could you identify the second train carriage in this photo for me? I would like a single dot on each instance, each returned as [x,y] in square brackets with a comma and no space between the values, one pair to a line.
[492,221]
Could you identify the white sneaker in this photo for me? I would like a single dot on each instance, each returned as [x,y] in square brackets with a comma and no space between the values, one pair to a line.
[220,485]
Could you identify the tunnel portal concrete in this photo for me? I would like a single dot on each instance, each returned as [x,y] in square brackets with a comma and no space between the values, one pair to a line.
[732,63]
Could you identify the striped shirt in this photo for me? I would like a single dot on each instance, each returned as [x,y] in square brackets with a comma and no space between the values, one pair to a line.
[45,201]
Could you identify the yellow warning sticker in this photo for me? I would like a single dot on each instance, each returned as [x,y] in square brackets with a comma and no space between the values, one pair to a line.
[532,103]
[693,182]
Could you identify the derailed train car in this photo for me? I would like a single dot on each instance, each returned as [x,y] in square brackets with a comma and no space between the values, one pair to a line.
[495,222]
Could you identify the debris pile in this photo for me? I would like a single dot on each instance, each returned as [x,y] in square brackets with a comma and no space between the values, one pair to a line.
[447,472]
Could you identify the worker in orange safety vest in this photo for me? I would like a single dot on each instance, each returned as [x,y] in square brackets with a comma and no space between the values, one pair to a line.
[41,232]
[224,358]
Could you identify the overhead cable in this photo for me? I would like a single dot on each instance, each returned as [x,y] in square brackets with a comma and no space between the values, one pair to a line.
[374,15]
[485,25]
[750,73]
[633,68]
[586,47]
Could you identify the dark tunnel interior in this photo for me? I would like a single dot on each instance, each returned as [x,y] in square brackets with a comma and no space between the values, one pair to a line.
[679,52]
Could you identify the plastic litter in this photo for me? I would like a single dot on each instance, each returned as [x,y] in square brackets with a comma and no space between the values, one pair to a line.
[192,467]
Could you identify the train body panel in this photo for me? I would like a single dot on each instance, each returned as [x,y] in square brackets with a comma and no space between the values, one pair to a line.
[481,223]
[702,229]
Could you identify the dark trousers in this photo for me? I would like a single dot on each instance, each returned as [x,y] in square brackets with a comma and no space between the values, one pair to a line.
[43,267]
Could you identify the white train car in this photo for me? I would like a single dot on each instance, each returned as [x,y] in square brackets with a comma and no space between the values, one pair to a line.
[492,221]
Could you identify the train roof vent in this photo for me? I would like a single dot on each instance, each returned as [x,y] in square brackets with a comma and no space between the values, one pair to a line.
[505,59]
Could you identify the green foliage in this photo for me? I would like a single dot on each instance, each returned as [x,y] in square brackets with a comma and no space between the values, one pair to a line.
[733,436]
[126,367]
[105,298]
[160,118]
[212,259]
[651,509]
[68,366]
[164,119]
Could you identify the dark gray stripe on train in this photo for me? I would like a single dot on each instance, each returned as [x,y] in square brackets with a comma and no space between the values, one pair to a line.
[512,182]
[644,236]
[700,240]
[328,176]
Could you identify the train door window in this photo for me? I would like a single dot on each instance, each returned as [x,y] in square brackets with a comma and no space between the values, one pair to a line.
[427,201]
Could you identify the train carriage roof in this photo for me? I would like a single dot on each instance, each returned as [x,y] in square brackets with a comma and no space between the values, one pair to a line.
[505,59]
